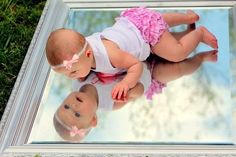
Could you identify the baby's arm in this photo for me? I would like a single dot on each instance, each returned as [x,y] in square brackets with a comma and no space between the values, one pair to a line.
[122,59]
[134,71]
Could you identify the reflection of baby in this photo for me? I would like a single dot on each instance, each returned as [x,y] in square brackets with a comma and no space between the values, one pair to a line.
[77,114]
[121,47]
[72,121]
[164,71]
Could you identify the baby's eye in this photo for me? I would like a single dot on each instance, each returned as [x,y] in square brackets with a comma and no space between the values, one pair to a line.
[78,99]
[73,72]
[66,106]
[77,114]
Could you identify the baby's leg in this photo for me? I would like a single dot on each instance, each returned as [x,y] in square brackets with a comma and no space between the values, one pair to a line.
[179,35]
[177,50]
[166,72]
[174,19]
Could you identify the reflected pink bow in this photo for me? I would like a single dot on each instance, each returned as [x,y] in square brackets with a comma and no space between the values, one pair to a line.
[68,63]
[155,87]
[75,131]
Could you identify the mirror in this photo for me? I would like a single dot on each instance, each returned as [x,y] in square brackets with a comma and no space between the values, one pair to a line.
[194,109]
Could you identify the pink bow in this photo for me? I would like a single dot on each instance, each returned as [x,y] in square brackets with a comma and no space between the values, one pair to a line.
[68,63]
[75,131]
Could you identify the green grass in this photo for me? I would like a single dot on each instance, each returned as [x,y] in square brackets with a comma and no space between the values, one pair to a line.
[18,21]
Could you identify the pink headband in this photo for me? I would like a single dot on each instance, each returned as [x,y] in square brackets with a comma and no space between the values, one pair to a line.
[73,130]
[74,59]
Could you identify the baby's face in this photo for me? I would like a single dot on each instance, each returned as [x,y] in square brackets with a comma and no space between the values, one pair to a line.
[78,109]
[79,69]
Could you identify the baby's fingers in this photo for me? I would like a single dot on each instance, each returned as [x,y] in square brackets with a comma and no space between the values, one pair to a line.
[121,90]
[114,92]
[125,92]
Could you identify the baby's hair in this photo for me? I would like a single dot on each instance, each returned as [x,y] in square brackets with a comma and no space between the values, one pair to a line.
[64,131]
[63,44]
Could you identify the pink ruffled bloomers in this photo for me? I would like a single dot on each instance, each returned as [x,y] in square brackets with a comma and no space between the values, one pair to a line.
[149,22]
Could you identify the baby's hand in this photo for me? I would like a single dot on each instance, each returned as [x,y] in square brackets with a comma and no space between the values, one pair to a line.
[120,91]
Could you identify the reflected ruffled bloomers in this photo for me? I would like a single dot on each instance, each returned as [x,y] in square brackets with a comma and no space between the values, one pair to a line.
[154,88]
[149,22]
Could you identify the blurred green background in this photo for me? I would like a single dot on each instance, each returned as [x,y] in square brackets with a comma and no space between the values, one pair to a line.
[18,21]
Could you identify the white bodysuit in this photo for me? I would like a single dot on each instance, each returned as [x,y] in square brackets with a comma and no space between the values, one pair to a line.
[126,36]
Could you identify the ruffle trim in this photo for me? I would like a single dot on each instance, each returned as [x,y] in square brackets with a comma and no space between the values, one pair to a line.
[149,22]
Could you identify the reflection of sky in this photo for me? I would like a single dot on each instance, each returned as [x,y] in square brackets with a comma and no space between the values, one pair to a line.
[222,34]
[195,108]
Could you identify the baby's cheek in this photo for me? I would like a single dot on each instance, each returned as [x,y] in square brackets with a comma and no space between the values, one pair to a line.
[71,76]
[60,112]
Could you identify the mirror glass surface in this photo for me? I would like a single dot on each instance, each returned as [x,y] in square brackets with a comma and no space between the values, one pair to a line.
[194,109]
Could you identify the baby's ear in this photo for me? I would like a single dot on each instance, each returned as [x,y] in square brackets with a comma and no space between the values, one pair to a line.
[88,53]
[94,121]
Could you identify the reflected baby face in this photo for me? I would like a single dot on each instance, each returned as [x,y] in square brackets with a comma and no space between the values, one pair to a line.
[78,109]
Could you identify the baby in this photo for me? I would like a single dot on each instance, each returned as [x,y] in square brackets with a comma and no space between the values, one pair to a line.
[121,47]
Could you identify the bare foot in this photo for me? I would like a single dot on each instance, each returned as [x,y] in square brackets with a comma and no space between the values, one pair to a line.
[208,38]
[193,17]
[210,56]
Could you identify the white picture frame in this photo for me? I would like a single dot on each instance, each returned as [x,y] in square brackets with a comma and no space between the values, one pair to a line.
[24,101]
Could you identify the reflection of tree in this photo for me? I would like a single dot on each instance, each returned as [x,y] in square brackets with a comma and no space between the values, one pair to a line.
[140,116]
[192,104]
[207,91]
[88,22]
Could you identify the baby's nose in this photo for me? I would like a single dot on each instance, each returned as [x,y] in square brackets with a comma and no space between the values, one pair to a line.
[74,106]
